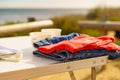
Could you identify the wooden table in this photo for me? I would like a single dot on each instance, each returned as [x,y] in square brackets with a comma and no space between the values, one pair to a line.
[31,66]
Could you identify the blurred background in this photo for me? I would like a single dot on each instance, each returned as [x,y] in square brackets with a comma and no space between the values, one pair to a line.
[65,14]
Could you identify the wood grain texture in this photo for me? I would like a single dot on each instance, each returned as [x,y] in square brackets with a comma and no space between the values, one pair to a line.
[52,69]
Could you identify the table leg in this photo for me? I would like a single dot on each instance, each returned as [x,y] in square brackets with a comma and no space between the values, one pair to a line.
[72,75]
[93,73]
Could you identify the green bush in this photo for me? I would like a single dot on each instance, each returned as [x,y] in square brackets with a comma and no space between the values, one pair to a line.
[68,23]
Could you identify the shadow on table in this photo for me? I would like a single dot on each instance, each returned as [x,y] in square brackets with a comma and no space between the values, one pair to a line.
[29,58]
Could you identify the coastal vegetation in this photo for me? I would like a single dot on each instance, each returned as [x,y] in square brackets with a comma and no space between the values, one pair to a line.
[69,23]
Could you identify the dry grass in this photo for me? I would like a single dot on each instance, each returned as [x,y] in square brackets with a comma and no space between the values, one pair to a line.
[109,72]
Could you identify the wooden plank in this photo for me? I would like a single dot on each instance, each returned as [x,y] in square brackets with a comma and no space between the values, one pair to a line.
[93,73]
[99,25]
[87,63]
[10,29]
[52,69]
[72,75]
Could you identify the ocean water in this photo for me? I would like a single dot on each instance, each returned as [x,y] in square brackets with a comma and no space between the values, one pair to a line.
[39,14]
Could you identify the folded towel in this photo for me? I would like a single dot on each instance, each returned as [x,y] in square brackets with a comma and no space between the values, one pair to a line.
[82,42]
[8,54]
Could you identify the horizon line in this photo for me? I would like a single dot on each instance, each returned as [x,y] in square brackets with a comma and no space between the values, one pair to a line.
[49,8]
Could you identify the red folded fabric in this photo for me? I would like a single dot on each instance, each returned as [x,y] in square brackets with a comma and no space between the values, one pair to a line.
[82,42]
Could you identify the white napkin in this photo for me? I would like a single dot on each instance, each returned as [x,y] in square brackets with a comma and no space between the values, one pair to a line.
[9,54]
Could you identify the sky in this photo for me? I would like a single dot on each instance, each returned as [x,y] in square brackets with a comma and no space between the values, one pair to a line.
[86,4]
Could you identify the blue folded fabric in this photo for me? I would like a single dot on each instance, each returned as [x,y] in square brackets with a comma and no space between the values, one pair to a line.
[53,56]
[117,34]
[55,40]
[41,43]
[84,54]
[114,54]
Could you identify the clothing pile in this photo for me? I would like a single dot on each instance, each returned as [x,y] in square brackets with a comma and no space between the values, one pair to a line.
[77,46]
[8,54]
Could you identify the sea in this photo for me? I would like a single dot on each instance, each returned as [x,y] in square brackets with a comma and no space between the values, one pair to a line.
[7,15]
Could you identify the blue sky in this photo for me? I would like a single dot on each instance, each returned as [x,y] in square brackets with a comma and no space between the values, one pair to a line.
[57,3]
